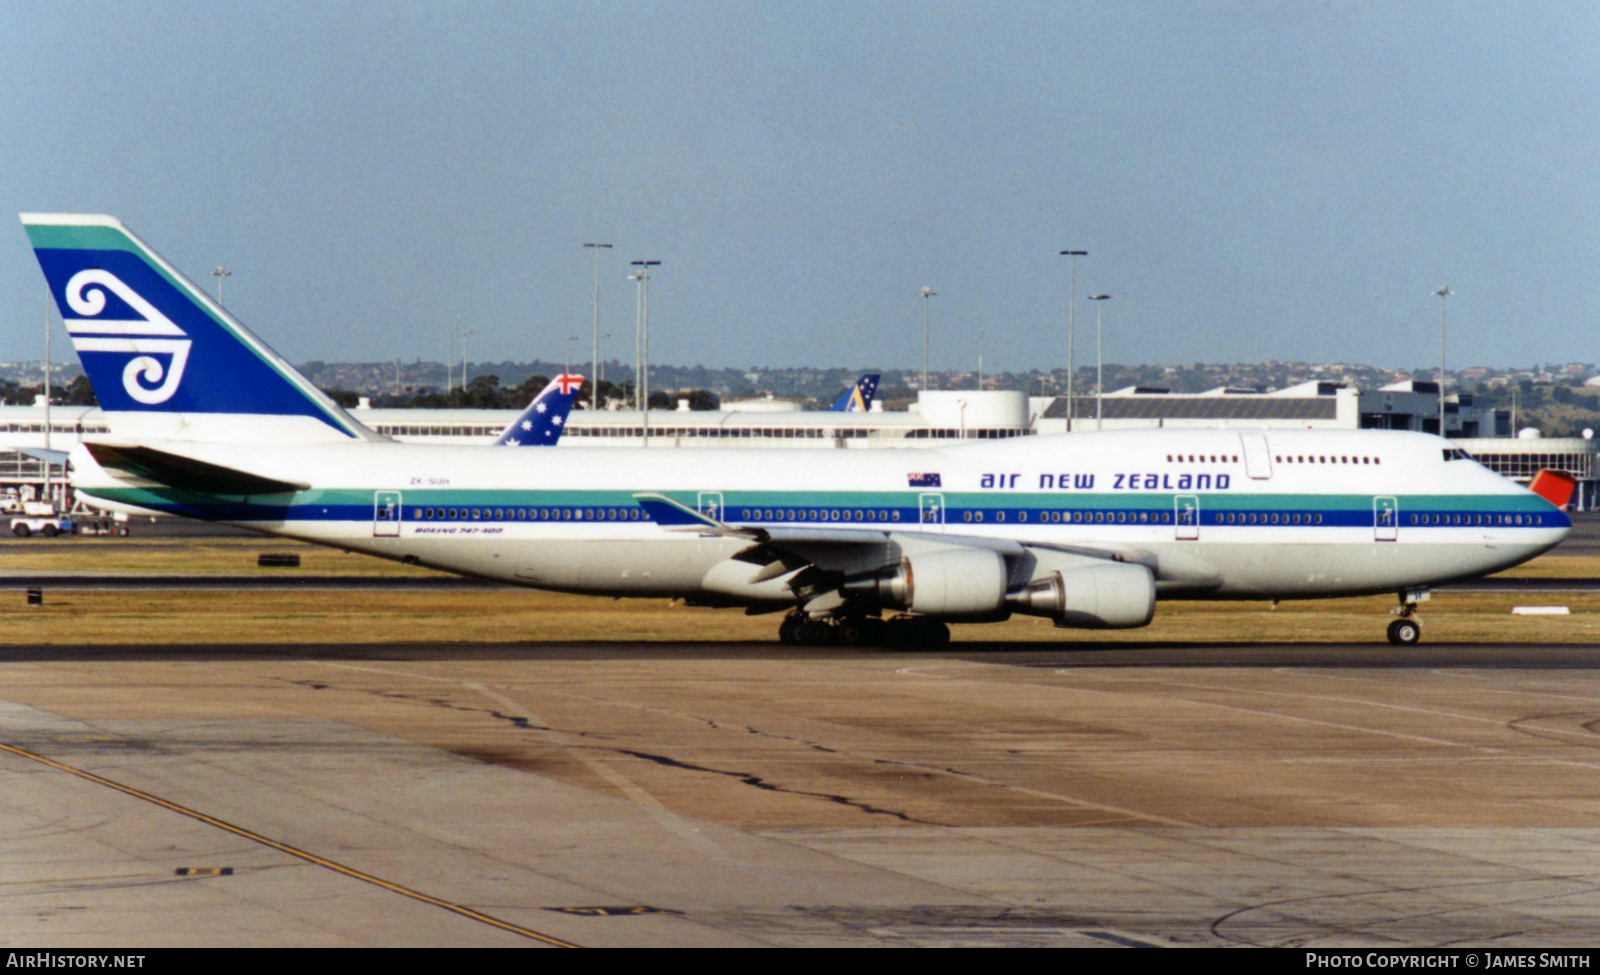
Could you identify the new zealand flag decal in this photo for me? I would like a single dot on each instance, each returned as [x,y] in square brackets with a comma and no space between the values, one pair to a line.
[923,480]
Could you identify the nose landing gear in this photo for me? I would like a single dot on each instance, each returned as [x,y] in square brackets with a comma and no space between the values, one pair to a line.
[1407,629]
[1405,632]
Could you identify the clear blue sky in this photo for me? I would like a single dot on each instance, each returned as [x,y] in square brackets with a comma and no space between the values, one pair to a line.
[1254,180]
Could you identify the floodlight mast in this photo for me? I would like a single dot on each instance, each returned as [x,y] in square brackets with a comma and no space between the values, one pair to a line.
[220,272]
[1443,293]
[642,390]
[1099,365]
[594,390]
[1072,293]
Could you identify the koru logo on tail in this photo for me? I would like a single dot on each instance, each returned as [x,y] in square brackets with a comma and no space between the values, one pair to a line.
[145,377]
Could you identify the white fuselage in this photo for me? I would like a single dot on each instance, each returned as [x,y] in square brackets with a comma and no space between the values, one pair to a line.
[1214,514]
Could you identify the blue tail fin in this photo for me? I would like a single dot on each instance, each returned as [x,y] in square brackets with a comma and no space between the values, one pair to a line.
[163,358]
[540,425]
[858,399]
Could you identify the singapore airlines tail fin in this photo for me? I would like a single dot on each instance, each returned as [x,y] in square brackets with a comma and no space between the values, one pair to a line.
[541,424]
[165,360]
[858,398]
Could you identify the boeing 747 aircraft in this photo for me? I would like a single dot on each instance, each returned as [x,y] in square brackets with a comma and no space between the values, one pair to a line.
[1089,530]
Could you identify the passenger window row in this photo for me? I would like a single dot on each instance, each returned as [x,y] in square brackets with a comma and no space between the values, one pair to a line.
[1074,517]
[1267,518]
[1459,519]
[1325,459]
[526,514]
[818,514]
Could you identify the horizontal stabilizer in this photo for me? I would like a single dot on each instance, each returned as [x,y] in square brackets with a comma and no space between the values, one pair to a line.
[185,473]
[1555,487]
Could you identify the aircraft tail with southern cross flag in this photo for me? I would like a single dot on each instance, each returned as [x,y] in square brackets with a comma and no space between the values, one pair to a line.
[540,425]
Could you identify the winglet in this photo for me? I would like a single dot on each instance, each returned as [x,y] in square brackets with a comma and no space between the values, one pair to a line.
[1555,487]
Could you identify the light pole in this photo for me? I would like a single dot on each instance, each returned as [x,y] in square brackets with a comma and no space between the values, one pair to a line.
[569,340]
[1099,365]
[464,361]
[594,391]
[1072,293]
[926,293]
[219,272]
[638,329]
[1443,292]
[642,390]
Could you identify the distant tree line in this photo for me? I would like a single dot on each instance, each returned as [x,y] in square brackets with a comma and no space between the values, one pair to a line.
[78,392]
[486,393]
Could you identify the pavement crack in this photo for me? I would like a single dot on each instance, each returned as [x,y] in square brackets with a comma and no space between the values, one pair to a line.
[751,779]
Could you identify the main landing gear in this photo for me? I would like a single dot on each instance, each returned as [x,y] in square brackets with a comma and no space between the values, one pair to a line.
[1407,629]
[908,632]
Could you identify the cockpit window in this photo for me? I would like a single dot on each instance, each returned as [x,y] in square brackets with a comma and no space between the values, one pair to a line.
[1453,454]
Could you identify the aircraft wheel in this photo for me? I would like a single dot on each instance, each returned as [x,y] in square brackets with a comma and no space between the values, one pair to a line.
[816,633]
[866,632]
[1405,632]
[789,629]
[21,531]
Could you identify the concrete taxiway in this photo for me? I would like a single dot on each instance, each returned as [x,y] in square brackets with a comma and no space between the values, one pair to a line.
[733,794]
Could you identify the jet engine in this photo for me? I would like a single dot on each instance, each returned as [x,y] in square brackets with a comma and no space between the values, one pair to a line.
[956,583]
[1106,596]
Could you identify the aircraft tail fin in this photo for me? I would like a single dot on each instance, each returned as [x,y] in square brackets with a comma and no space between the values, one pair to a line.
[1555,487]
[164,359]
[542,423]
[858,398]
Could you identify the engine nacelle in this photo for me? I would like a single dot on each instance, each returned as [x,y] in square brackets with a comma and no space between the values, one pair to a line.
[1108,596]
[961,583]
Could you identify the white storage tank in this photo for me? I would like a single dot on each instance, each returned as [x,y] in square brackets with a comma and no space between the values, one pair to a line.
[974,409]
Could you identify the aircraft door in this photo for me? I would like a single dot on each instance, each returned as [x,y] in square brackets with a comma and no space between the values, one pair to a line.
[1385,519]
[386,514]
[1257,455]
[711,504]
[932,507]
[1186,517]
